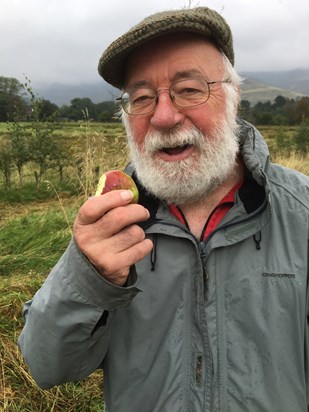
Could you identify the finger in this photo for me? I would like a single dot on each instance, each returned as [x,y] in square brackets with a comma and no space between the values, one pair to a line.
[120,265]
[126,238]
[96,207]
[119,218]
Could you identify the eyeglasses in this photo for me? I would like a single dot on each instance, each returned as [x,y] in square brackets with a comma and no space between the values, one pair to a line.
[189,92]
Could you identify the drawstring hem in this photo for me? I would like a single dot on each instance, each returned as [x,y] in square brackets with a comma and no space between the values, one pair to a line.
[153,255]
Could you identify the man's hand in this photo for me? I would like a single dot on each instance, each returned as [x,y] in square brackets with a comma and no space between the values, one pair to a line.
[106,232]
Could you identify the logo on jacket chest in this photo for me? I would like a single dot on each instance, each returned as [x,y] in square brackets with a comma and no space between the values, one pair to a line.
[279,275]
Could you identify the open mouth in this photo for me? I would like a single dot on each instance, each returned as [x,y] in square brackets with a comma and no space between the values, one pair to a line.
[175,153]
[171,151]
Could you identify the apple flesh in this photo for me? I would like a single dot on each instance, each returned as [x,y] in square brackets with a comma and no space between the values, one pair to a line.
[117,180]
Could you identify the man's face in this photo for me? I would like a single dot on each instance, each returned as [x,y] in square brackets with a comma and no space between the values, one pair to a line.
[180,154]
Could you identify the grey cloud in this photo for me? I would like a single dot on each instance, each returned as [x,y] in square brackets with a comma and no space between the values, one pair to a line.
[61,41]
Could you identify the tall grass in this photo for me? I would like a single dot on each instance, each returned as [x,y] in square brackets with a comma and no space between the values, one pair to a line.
[294,161]
[31,241]
[18,391]
[95,152]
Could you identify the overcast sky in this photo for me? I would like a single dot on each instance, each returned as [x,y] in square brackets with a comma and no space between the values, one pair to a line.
[60,41]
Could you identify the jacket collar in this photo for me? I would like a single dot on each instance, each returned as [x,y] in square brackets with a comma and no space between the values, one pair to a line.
[254,151]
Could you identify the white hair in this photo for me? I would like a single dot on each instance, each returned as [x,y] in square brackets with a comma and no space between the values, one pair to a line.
[232,89]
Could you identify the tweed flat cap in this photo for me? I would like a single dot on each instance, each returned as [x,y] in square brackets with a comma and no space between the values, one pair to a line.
[201,20]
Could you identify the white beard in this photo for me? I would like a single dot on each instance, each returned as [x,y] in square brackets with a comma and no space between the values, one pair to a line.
[186,181]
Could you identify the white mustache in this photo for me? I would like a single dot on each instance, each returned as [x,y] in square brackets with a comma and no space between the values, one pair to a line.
[155,141]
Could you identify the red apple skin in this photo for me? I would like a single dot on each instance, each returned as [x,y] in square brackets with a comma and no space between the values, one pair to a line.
[117,180]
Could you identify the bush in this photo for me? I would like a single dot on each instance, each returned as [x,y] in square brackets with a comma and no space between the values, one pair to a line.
[301,137]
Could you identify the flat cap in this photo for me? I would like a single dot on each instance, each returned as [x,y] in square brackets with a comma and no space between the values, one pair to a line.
[200,20]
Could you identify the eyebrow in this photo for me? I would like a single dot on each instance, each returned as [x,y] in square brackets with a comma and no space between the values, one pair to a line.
[138,84]
[183,74]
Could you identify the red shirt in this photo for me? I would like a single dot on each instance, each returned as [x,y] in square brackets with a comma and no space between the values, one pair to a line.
[216,215]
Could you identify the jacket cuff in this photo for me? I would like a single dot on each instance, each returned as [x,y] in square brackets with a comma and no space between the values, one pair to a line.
[88,283]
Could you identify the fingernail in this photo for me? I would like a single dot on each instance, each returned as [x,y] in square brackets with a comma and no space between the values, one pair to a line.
[126,195]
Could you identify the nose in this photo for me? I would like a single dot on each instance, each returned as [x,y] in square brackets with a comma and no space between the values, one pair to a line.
[166,114]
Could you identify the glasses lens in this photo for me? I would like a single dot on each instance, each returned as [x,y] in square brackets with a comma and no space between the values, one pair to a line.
[185,93]
[138,101]
[125,102]
[190,92]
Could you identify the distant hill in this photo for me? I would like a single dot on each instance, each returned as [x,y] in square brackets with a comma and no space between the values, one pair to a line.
[258,86]
[293,80]
[263,86]
[254,91]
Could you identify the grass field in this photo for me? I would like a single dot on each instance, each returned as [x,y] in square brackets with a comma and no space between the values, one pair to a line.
[32,238]
[35,228]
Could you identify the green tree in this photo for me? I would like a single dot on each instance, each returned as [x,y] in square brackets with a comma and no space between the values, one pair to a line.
[301,137]
[302,109]
[245,109]
[6,163]
[10,86]
[289,112]
[77,109]
[43,148]
[264,118]
[60,156]
[106,111]
[11,98]
[47,110]
[283,143]
[19,139]
[280,101]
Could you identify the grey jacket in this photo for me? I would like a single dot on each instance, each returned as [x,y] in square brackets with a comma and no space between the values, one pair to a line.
[211,326]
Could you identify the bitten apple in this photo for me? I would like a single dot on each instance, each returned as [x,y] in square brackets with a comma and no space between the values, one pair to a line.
[117,180]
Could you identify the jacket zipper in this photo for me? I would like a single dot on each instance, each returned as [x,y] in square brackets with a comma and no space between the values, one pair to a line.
[209,369]
[203,257]
[209,366]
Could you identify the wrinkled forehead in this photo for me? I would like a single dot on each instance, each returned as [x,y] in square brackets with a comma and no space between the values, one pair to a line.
[172,54]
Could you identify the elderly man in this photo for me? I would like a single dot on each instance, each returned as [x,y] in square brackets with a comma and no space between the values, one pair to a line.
[195,299]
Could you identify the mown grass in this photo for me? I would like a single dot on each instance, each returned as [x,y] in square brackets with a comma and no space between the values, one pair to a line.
[28,193]
[35,239]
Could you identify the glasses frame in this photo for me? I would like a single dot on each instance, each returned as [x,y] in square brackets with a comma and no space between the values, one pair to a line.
[168,89]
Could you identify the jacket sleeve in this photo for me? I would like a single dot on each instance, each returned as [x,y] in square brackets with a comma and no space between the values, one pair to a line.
[307,335]
[68,321]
